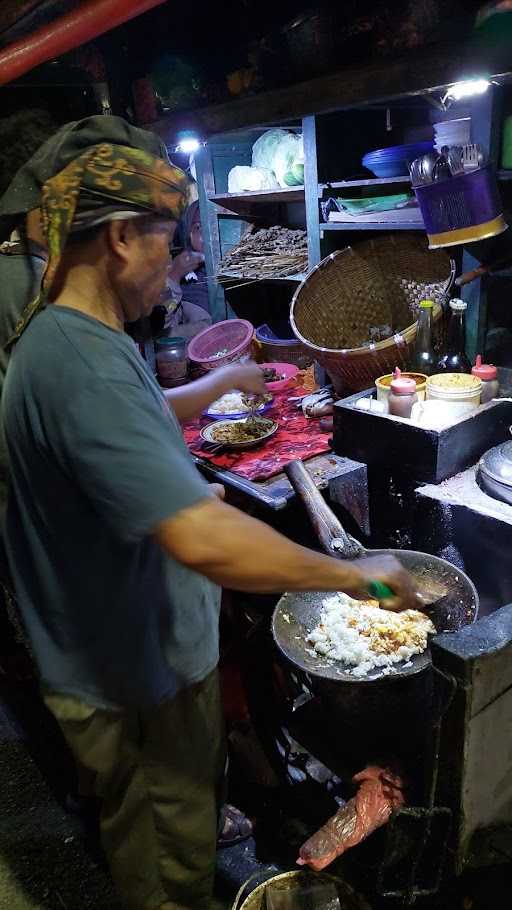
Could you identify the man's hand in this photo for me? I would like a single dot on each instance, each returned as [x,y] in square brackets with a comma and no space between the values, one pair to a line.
[217,490]
[246,377]
[388,570]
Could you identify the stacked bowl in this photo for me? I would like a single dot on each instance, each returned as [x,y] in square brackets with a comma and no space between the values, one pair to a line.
[395,161]
[452,132]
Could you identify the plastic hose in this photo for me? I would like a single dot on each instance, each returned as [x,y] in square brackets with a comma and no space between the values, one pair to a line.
[90,19]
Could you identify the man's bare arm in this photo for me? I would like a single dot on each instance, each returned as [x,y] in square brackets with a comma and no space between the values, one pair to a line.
[242,553]
[189,401]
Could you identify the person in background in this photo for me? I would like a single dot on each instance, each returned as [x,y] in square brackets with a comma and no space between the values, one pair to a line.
[176,316]
[119,586]
[187,278]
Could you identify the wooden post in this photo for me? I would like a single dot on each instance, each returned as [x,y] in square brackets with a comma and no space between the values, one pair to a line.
[311,190]
[210,229]
[485,126]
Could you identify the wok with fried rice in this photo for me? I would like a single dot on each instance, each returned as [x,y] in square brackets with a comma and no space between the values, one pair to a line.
[296,616]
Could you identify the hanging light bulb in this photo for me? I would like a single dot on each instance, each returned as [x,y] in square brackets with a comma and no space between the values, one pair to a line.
[467,89]
[188,142]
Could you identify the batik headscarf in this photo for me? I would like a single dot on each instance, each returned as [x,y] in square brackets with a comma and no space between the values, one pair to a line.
[105,182]
[73,139]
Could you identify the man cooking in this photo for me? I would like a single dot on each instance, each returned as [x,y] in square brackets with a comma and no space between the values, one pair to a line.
[115,542]
[23,257]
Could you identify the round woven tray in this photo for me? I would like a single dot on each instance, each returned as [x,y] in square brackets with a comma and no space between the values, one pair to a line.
[378,282]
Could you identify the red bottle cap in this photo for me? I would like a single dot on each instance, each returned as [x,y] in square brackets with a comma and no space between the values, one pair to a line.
[400,385]
[484,371]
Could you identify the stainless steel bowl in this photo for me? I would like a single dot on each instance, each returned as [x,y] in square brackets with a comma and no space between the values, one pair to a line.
[494,474]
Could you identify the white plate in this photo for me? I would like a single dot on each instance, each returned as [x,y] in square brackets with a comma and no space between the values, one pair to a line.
[207,433]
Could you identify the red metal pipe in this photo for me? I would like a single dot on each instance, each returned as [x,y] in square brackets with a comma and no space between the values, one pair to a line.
[90,19]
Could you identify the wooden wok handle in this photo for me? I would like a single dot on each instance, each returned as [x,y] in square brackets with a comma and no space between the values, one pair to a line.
[323,519]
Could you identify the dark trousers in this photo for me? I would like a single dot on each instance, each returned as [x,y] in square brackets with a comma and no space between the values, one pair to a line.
[159,773]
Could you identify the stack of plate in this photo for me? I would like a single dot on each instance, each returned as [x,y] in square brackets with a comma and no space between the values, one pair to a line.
[452,132]
[395,161]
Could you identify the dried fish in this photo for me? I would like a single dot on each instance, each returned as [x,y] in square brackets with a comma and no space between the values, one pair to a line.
[269,253]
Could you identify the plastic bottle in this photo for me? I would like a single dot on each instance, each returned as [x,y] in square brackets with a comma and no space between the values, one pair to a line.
[425,360]
[455,360]
[488,373]
[402,395]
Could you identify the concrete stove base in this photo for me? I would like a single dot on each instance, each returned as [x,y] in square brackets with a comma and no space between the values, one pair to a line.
[458,521]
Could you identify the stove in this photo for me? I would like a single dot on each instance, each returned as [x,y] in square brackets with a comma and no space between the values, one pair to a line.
[450,733]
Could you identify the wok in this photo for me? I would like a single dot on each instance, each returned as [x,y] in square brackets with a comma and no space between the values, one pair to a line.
[296,614]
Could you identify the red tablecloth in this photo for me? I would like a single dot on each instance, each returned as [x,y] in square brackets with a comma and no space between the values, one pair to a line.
[297,437]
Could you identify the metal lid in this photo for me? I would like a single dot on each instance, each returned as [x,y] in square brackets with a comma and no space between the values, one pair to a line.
[164,341]
[497,463]
[458,306]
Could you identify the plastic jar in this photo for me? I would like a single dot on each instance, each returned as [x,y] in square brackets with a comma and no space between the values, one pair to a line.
[402,395]
[454,387]
[488,374]
[171,361]
[383,385]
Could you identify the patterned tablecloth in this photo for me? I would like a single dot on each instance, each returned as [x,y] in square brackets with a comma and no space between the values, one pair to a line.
[297,437]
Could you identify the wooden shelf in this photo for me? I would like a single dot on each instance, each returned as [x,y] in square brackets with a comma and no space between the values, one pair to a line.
[373,181]
[372,226]
[288,194]
[236,201]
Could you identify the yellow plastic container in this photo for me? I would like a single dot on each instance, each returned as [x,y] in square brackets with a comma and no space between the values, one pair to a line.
[454,387]
[383,384]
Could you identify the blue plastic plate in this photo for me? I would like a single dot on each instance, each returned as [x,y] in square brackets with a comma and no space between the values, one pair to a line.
[237,416]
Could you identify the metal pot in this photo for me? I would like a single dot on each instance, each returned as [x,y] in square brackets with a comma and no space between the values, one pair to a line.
[494,473]
[285,881]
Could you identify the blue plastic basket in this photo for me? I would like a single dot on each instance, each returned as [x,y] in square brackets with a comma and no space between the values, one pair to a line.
[462,209]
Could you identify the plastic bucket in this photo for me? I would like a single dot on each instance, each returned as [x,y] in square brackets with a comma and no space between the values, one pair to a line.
[461,210]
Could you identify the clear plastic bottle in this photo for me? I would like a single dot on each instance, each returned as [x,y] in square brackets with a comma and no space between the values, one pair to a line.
[455,360]
[425,360]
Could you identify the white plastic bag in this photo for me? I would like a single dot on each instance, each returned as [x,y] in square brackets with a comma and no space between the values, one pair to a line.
[264,148]
[243,179]
[288,151]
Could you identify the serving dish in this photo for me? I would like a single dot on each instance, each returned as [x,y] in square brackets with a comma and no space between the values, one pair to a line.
[209,433]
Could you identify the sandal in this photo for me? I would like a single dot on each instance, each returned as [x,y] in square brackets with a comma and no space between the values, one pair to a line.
[234,827]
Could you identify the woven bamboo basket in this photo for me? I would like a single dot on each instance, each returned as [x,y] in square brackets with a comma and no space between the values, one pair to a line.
[375,283]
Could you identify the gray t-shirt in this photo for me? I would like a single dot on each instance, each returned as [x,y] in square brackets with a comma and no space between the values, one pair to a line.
[97,460]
